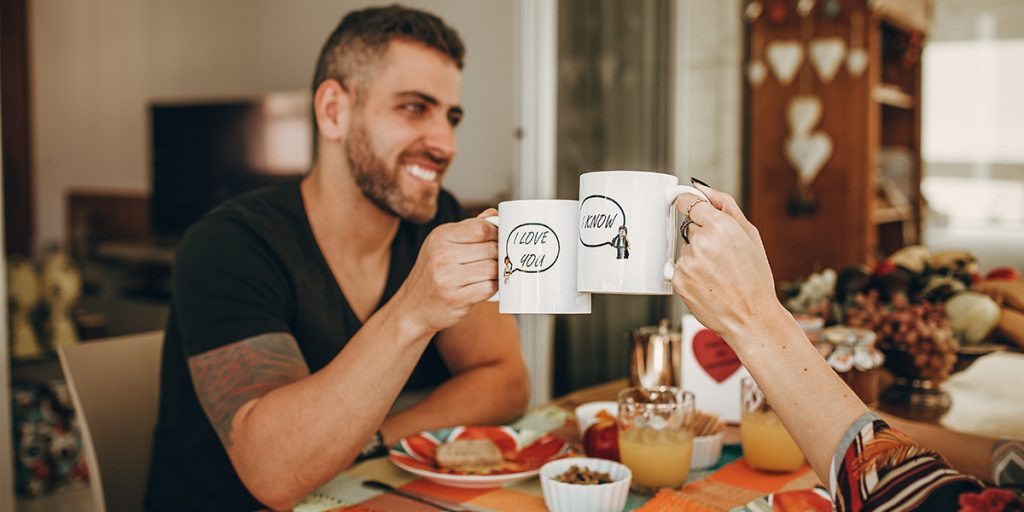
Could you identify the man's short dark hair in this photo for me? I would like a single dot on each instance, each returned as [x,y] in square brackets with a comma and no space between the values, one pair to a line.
[362,38]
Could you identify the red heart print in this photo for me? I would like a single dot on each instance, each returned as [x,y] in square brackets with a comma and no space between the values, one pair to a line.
[714,355]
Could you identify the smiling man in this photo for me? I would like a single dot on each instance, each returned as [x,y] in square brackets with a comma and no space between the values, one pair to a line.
[303,311]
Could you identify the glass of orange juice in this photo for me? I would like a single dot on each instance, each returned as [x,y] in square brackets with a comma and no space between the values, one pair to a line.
[653,441]
[767,444]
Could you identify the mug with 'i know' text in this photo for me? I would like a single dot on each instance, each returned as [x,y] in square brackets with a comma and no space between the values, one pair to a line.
[628,231]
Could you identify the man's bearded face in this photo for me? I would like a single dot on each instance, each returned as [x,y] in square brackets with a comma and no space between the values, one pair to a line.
[379,181]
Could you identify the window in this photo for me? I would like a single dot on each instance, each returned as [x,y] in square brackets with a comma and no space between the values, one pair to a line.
[973,128]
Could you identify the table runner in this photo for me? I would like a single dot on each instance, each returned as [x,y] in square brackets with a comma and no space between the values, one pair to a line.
[735,486]
[730,484]
[727,486]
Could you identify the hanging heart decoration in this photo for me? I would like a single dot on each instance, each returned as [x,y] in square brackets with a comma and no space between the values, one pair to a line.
[826,55]
[753,10]
[857,59]
[804,7]
[756,72]
[785,58]
[857,62]
[803,114]
[806,150]
[808,154]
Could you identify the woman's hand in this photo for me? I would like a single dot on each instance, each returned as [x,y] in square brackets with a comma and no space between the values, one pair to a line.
[722,274]
[724,278]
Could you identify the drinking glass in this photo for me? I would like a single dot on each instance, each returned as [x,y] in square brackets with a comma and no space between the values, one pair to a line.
[767,444]
[653,440]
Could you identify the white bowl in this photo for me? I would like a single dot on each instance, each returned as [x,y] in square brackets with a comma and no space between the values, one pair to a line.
[563,497]
[586,414]
[707,450]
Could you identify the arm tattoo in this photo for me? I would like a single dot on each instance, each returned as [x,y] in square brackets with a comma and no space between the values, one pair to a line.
[227,377]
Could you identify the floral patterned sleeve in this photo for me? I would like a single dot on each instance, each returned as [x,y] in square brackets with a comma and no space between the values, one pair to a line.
[880,468]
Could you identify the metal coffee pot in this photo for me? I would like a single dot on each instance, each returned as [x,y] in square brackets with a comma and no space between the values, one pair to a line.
[655,356]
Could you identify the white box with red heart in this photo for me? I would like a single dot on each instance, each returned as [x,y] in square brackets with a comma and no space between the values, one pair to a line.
[711,370]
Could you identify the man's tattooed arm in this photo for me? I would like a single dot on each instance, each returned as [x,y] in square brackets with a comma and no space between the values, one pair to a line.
[228,377]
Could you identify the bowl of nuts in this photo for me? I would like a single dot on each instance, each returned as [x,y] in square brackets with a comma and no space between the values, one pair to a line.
[579,483]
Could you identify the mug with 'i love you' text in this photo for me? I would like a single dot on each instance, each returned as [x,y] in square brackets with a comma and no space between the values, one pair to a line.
[537,257]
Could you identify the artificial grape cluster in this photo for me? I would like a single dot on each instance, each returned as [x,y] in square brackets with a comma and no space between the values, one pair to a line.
[865,312]
[920,331]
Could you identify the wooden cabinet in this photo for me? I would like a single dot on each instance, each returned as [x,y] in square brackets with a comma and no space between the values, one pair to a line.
[861,211]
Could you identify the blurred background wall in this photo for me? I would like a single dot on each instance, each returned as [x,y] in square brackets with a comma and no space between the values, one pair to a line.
[96,65]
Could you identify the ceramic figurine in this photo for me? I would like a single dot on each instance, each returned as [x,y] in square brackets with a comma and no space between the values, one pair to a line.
[66,444]
[47,439]
[32,430]
[65,453]
[62,285]
[23,297]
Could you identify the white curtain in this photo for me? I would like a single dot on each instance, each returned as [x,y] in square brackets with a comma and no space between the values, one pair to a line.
[613,78]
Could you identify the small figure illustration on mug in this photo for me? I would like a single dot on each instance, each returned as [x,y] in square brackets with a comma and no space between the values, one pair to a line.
[621,244]
[508,269]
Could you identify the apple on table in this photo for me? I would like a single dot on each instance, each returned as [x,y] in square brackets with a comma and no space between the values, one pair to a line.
[601,439]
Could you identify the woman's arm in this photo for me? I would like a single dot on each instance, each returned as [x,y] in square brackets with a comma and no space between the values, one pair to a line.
[814,404]
[967,453]
[724,277]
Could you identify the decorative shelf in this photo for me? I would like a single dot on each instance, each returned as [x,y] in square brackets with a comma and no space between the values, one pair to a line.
[867,201]
[890,214]
[892,96]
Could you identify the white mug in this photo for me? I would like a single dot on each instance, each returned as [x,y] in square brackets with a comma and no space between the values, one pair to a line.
[537,258]
[628,231]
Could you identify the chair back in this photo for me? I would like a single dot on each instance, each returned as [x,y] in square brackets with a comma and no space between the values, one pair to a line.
[114,386]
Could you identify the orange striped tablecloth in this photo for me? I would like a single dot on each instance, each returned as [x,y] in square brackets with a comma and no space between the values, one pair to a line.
[733,485]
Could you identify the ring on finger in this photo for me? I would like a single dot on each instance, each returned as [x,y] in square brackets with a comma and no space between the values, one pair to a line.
[694,203]
[684,229]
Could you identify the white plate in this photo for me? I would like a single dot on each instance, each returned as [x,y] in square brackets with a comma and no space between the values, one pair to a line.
[470,481]
[525,452]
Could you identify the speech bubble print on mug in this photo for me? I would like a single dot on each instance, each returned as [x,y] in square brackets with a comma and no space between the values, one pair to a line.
[536,272]
[532,247]
[628,231]
[603,222]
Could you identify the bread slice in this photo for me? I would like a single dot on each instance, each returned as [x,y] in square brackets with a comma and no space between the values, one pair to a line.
[469,455]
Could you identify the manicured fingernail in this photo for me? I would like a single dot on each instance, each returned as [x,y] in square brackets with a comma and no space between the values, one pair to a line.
[695,180]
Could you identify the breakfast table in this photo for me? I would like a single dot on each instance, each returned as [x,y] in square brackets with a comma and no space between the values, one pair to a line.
[983,406]
[729,485]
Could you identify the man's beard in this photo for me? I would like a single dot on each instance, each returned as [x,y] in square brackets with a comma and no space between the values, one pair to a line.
[380,183]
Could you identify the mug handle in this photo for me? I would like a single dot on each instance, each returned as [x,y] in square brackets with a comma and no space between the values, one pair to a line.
[493,219]
[671,195]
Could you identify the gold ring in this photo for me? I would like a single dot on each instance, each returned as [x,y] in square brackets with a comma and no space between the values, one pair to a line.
[684,229]
[694,203]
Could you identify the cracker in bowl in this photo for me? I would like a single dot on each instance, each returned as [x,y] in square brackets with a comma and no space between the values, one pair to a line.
[705,424]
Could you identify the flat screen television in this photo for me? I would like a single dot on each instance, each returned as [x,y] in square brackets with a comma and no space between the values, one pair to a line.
[206,152]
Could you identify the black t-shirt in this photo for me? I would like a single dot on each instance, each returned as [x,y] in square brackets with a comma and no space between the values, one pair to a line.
[252,266]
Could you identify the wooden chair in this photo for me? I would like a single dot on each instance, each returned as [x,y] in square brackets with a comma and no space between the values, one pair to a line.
[114,385]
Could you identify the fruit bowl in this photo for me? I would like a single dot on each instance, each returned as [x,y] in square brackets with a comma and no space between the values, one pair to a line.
[915,396]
